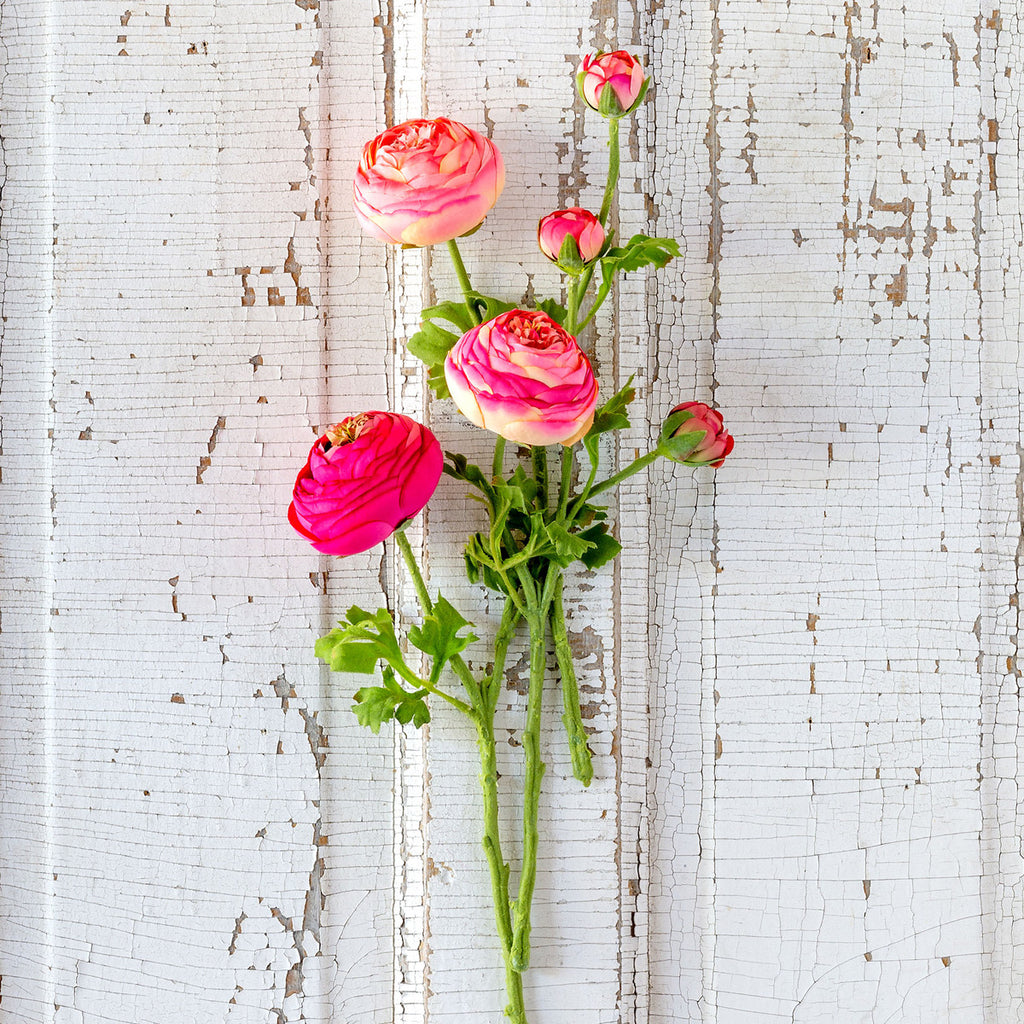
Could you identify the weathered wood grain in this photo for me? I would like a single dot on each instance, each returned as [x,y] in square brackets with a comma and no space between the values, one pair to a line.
[801,678]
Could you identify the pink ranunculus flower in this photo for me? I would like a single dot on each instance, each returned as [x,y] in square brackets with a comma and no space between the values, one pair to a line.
[525,378]
[363,479]
[426,181]
[613,83]
[716,444]
[576,223]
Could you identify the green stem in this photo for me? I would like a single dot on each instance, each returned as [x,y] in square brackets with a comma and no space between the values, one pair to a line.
[625,474]
[613,169]
[482,713]
[499,869]
[458,665]
[540,472]
[579,752]
[568,458]
[537,619]
[460,273]
[572,307]
[498,464]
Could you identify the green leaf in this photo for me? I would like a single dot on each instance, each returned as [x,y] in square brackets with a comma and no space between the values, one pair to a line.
[431,344]
[557,312]
[462,469]
[567,546]
[604,546]
[360,642]
[439,636]
[639,251]
[611,416]
[454,312]
[375,705]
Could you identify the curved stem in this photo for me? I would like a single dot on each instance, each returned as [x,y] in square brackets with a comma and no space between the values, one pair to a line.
[579,752]
[613,169]
[572,307]
[624,474]
[540,472]
[460,273]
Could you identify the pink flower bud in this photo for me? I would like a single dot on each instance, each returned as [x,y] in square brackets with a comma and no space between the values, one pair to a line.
[523,377]
[363,479]
[613,83]
[426,181]
[681,436]
[579,225]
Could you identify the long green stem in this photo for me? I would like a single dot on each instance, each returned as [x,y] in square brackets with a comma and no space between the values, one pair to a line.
[624,474]
[499,869]
[613,169]
[484,701]
[460,273]
[565,485]
[537,619]
[540,472]
[579,752]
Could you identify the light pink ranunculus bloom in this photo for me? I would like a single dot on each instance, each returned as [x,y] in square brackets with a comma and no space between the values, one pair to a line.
[576,223]
[426,181]
[717,441]
[617,71]
[363,479]
[523,377]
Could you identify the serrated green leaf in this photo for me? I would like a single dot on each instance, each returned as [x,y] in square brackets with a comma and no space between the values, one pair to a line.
[431,344]
[360,642]
[611,416]
[454,312]
[639,251]
[567,546]
[557,312]
[374,705]
[439,636]
[605,546]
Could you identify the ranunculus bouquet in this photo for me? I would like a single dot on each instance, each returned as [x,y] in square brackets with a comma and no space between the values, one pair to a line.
[522,375]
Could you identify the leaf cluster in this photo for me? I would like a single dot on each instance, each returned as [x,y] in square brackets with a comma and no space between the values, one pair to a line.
[365,640]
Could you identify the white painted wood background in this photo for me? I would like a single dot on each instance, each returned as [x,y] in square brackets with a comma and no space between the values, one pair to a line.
[805,702]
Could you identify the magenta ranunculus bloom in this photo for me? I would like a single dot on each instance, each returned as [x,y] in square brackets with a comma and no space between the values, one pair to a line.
[717,442]
[523,377]
[576,223]
[426,181]
[363,479]
[619,73]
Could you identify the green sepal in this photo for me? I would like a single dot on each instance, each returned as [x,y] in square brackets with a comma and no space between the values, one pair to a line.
[681,445]
[604,547]
[439,636]
[569,258]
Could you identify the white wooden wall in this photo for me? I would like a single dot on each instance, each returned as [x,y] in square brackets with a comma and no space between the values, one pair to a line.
[801,677]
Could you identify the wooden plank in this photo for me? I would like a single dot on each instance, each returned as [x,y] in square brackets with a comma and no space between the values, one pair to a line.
[221,835]
[856,529]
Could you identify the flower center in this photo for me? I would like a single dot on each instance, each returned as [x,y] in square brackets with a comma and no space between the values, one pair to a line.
[346,431]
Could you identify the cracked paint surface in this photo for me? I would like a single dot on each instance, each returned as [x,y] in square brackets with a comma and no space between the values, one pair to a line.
[801,680]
